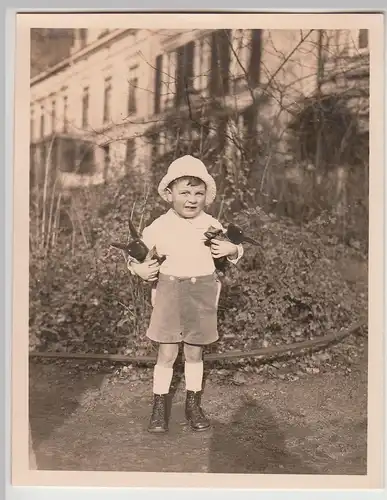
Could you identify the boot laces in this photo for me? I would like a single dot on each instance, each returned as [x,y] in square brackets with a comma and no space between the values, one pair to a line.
[158,409]
[195,408]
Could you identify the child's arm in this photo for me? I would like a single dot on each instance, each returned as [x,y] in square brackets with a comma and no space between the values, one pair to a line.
[226,248]
[234,259]
[147,270]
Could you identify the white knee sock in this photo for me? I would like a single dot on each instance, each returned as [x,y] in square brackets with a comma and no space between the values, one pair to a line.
[162,377]
[193,376]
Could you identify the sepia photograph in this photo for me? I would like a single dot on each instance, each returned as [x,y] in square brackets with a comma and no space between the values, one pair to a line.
[198,231]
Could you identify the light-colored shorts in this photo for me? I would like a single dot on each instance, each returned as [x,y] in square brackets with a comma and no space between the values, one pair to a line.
[185,310]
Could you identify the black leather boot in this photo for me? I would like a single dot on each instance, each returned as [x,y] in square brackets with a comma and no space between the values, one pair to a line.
[194,412]
[159,420]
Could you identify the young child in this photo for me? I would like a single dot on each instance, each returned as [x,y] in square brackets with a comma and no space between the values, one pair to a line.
[187,292]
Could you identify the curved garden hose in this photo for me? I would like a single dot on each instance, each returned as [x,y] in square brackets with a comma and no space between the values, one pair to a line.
[266,352]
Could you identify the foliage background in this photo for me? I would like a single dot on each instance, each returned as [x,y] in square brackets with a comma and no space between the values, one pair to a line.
[302,191]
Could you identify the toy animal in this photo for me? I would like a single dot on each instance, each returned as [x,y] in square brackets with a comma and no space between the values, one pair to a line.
[136,248]
[233,234]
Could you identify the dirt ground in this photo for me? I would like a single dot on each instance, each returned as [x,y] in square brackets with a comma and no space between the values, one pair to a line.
[94,422]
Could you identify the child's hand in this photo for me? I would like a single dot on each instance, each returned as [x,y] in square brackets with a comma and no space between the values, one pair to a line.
[223,248]
[147,270]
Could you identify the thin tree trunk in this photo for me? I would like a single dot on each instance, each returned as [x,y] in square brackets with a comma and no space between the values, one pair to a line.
[45,187]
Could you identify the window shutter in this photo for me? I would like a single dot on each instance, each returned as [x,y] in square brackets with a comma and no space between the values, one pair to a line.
[157,107]
[255,58]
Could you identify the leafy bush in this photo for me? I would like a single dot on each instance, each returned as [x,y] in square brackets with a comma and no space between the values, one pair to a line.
[82,298]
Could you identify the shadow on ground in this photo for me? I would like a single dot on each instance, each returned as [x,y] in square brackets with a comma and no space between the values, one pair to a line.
[252,443]
[317,425]
[55,393]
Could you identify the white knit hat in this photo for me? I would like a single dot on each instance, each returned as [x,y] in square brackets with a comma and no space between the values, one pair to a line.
[188,166]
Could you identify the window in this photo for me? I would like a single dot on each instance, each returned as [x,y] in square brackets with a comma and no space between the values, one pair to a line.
[44,152]
[106,160]
[85,107]
[220,62]
[41,121]
[255,58]
[363,39]
[169,139]
[82,33]
[32,124]
[240,42]
[239,64]
[168,80]
[85,159]
[157,101]
[326,42]
[68,156]
[32,164]
[201,70]
[132,103]
[65,113]
[130,153]
[184,72]
[107,100]
[162,142]
[54,153]
[53,116]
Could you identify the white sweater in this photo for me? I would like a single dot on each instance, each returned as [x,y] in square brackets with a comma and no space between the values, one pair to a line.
[182,242]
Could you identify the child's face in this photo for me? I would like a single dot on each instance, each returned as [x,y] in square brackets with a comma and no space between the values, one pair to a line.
[188,201]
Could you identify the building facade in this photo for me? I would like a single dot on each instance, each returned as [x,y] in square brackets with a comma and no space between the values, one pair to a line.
[91,113]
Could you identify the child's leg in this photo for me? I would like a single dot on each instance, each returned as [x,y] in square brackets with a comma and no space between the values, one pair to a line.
[162,377]
[193,369]
[163,370]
